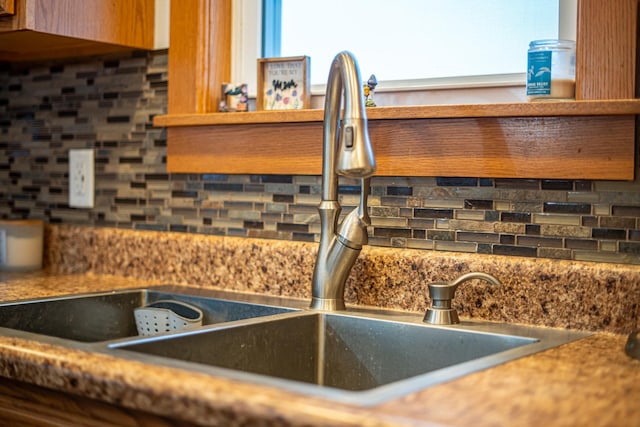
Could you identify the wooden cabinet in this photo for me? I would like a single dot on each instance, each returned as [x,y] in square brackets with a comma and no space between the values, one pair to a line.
[590,138]
[200,54]
[44,29]
[23,404]
[7,7]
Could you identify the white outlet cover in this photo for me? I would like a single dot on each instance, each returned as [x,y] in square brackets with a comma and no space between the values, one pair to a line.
[81,178]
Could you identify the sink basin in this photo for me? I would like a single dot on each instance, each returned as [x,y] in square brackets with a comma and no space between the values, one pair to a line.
[109,315]
[332,350]
[349,357]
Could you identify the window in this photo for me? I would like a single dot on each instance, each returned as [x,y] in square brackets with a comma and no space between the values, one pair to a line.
[412,44]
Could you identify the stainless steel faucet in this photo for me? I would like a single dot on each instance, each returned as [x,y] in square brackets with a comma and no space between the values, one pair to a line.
[347,151]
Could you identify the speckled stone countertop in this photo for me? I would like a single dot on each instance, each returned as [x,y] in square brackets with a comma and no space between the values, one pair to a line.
[587,382]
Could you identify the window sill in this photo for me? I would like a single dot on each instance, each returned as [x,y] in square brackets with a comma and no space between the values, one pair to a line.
[527,109]
[561,140]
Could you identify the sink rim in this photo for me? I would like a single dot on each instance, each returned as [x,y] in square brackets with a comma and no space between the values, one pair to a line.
[234,296]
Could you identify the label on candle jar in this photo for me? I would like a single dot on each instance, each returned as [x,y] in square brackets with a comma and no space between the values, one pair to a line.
[551,70]
[539,73]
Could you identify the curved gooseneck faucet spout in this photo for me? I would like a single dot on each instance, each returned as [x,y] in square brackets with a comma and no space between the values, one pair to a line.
[346,151]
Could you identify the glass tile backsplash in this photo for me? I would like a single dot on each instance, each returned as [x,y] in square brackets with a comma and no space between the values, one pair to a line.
[108,104]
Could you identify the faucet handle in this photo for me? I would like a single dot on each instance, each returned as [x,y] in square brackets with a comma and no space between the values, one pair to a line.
[353,230]
[441,294]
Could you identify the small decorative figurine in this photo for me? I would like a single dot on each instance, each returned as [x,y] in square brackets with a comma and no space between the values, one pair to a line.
[369,88]
[235,97]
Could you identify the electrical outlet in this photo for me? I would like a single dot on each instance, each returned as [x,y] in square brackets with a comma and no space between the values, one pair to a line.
[81,178]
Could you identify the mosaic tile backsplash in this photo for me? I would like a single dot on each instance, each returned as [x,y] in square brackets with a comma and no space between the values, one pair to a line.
[108,103]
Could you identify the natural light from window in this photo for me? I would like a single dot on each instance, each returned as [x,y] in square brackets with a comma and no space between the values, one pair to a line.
[412,46]
[409,39]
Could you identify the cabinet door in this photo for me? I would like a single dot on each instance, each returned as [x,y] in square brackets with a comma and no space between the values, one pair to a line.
[7,7]
[47,29]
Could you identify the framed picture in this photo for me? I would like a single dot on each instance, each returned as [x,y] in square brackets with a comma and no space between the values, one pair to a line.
[283,83]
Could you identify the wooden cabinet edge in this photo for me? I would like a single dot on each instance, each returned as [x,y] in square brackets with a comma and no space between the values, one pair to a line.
[517,147]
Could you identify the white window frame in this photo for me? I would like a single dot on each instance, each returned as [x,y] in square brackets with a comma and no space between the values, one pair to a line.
[246,42]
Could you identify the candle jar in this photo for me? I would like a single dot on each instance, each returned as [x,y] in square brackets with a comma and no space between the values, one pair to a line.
[21,244]
[551,70]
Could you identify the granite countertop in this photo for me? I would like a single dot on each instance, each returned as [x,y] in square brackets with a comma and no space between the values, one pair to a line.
[587,382]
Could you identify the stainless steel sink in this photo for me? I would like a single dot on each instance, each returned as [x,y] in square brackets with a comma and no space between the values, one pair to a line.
[350,357]
[110,315]
[359,356]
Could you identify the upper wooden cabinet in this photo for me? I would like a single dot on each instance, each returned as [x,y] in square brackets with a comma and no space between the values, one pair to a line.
[199,56]
[7,7]
[45,29]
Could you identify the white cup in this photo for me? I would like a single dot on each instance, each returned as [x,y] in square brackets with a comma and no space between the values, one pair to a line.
[21,244]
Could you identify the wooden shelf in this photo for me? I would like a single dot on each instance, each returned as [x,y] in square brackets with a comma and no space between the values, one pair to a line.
[530,109]
[555,140]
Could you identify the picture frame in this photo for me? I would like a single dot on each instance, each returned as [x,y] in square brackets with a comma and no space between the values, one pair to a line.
[284,83]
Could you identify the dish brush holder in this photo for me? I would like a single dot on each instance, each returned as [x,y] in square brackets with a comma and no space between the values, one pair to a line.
[166,316]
